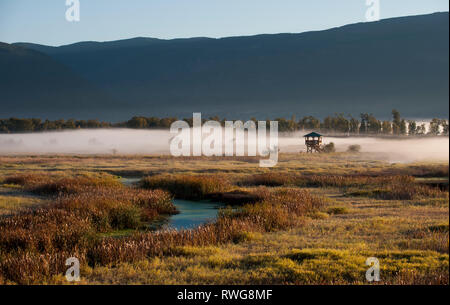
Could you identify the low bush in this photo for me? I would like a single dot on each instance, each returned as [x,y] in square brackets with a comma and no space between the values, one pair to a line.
[355,148]
[329,148]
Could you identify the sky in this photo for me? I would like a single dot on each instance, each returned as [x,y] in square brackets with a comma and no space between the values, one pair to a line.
[44,21]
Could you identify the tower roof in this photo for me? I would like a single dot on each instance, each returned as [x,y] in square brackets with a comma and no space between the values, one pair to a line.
[312,135]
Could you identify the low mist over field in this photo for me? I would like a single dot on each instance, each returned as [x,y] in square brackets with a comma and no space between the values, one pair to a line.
[98,141]
[391,149]
[130,141]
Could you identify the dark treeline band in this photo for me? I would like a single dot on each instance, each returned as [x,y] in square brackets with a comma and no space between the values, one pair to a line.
[338,123]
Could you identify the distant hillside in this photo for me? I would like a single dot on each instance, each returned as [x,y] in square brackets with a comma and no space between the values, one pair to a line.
[34,84]
[373,67]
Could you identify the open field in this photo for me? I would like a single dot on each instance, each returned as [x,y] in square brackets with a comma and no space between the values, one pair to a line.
[313,219]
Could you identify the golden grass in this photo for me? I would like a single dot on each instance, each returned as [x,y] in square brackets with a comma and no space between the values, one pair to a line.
[86,206]
[305,227]
[187,187]
[11,204]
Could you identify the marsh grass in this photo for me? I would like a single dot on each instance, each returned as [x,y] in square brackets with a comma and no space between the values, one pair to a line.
[81,208]
[380,187]
[279,210]
[187,187]
[239,197]
[48,184]
[11,204]
[401,191]
[91,216]
[214,265]
[337,210]
[341,181]
[144,245]
[434,237]
[343,266]
[87,206]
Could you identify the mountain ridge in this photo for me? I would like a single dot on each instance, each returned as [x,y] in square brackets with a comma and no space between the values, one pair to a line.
[395,19]
[365,67]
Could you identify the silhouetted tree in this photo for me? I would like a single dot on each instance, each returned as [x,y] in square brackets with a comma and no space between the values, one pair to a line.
[444,124]
[374,125]
[283,124]
[309,123]
[337,123]
[403,129]
[412,128]
[137,122]
[70,124]
[369,124]
[396,122]
[354,125]
[421,130]
[20,125]
[386,127]
[435,127]
[364,127]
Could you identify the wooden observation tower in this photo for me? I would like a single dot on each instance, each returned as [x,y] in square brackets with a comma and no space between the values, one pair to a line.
[313,142]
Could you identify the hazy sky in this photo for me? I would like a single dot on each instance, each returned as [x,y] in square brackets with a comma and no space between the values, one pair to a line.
[44,21]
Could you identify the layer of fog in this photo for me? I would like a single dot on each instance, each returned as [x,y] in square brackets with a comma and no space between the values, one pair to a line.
[152,142]
[390,149]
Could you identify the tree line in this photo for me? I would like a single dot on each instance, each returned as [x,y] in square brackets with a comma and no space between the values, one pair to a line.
[366,124]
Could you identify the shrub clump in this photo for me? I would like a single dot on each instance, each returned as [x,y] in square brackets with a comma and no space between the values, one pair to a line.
[329,148]
[355,148]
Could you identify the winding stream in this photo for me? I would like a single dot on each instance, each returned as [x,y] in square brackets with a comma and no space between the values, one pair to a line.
[192,213]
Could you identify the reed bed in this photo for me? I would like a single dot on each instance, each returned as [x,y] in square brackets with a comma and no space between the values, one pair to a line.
[81,208]
[47,184]
[34,244]
[239,197]
[280,179]
[144,245]
[87,209]
[380,187]
[117,207]
[400,191]
[279,210]
[187,187]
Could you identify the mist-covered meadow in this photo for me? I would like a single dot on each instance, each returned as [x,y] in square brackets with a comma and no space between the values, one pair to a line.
[64,194]
[157,142]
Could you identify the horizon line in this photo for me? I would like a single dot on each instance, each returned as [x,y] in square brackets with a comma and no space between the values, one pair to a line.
[223,37]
